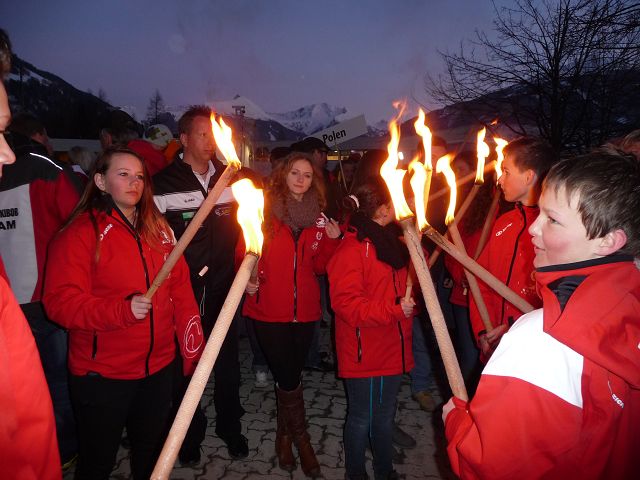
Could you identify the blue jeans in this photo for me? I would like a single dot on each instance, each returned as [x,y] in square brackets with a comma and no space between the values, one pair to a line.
[371,408]
[422,372]
[52,343]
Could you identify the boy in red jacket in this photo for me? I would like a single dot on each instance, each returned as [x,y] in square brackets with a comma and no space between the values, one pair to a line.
[560,397]
[509,253]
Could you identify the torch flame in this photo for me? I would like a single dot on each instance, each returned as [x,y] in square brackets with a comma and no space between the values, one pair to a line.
[250,213]
[443,166]
[222,134]
[483,151]
[500,144]
[418,182]
[392,176]
[425,133]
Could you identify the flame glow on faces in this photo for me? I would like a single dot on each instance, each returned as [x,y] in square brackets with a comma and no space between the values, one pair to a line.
[392,175]
[222,134]
[443,166]
[483,152]
[500,144]
[250,213]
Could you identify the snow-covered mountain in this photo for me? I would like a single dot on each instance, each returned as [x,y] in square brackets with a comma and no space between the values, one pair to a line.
[311,118]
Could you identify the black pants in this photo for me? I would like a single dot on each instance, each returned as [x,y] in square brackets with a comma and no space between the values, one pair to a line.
[285,346]
[226,374]
[104,406]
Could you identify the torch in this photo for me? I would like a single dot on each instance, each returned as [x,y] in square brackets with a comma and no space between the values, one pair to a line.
[393,178]
[444,167]
[250,217]
[484,235]
[222,135]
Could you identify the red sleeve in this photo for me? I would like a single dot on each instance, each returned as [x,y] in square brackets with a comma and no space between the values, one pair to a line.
[3,272]
[187,317]
[350,300]
[66,294]
[28,444]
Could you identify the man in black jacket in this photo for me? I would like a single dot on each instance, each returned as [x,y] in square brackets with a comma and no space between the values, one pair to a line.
[179,191]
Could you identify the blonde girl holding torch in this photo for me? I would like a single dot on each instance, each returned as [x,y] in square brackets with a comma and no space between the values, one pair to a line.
[284,301]
[121,344]
[373,329]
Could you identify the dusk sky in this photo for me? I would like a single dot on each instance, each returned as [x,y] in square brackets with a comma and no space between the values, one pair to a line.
[282,54]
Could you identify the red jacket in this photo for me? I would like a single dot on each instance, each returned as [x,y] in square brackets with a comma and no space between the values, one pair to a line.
[36,197]
[373,336]
[92,300]
[560,396]
[28,444]
[287,272]
[509,256]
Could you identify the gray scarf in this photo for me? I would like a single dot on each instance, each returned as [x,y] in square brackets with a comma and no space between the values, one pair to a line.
[297,214]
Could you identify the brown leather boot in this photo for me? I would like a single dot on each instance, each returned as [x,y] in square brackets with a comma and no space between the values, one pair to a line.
[296,423]
[284,450]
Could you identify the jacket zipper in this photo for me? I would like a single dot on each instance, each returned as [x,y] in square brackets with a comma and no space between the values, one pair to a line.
[295,277]
[513,258]
[404,369]
[151,323]
[359,345]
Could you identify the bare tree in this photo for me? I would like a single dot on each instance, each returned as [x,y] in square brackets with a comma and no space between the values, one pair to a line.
[565,69]
[155,108]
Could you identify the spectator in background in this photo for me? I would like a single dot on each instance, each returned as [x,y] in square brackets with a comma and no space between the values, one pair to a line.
[120,128]
[81,160]
[277,154]
[28,445]
[29,127]
[151,147]
[37,194]
[179,191]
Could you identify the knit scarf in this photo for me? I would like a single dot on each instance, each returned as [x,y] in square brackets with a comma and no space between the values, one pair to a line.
[389,248]
[296,214]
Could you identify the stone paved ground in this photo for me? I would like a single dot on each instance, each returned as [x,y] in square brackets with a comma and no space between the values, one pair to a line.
[326,408]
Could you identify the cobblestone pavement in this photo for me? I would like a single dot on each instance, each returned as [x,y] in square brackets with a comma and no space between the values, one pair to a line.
[326,409]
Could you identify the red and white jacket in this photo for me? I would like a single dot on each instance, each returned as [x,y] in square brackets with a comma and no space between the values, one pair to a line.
[509,256]
[287,271]
[560,397]
[373,336]
[28,444]
[37,195]
[92,300]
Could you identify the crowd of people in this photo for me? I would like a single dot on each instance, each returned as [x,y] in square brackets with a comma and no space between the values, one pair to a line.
[86,356]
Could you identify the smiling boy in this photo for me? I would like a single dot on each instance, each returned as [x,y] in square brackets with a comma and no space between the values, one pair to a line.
[560,397]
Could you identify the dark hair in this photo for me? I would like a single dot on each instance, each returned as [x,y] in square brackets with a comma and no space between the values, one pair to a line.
[608,187]
[150,223]
[186,120]
[370,196]
[5,54]
[531,153]
[26,124]
[631,142]
[369,167]
[278,179]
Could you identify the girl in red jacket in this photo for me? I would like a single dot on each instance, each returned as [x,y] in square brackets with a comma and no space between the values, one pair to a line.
[367,278]
[121,344]
[285,301]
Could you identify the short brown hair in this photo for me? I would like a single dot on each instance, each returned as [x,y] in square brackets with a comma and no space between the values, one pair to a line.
[532,153]
[608,187]
[5,54]
[184,124]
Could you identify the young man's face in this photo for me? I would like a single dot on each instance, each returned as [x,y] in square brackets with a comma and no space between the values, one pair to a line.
[198,142]
[559,236]
[515,183]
